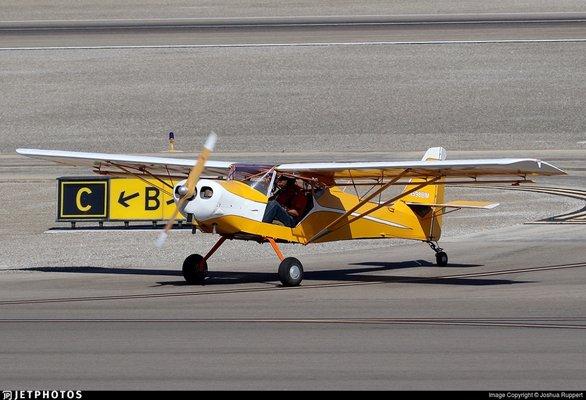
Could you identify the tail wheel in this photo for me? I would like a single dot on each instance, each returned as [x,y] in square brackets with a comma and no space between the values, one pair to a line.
[290,272]
[441,258]
[195,269]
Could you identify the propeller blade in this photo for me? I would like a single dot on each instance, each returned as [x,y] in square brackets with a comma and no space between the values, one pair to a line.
[200,164]
[169,225]
[192,179]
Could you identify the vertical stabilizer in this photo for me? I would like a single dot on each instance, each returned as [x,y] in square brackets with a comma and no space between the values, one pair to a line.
[435,153]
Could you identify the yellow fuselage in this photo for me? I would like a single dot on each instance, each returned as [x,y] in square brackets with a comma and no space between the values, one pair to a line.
[239,208]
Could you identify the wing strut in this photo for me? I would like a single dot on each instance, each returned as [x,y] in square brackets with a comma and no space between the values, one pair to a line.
[328,229]
[124,169]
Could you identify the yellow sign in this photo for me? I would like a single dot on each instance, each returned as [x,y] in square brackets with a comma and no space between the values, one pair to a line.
[83,199]
[135,199]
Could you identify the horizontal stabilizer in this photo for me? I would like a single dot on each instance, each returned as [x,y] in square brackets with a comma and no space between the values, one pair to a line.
[487,205]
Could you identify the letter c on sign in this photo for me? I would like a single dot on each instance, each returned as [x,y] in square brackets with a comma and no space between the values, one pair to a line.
[80,206]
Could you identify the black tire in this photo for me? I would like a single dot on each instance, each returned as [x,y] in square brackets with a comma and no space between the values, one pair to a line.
[195,269]
[441,259]
[290,272]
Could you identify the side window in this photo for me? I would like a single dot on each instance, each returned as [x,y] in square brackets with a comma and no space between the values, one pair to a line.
[263,183]
[258,176]
[271,185]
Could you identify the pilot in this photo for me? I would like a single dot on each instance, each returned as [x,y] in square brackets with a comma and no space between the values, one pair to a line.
[286,204]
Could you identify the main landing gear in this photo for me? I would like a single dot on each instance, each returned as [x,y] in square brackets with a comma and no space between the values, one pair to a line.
[441,258]
[195,267]
[290,269]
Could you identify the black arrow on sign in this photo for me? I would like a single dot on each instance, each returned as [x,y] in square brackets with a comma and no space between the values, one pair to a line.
[123,200]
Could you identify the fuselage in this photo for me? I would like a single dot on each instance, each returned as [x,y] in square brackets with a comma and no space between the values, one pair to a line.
[235,209]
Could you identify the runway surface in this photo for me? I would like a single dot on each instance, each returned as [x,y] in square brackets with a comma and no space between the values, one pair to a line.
[105,309]
[292,31]
[371,98]
[20,10]
[383,320]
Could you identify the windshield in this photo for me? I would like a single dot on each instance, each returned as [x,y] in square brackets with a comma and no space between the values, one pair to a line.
[257,176]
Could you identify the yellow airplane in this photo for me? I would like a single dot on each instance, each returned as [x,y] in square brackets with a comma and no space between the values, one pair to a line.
[339,200]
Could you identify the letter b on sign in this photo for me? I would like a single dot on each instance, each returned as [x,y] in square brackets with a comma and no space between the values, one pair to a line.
[151,198]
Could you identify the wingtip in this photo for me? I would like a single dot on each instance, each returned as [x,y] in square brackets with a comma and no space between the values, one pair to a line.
[553,169]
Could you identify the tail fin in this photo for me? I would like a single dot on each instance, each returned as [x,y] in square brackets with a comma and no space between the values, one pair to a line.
[435,153]
[432,194]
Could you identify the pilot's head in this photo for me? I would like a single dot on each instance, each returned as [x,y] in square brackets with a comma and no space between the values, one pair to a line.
[285,181]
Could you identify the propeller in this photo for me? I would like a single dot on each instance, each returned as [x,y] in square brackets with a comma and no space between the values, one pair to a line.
[186,192]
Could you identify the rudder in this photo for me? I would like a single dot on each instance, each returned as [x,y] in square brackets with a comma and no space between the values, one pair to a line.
[432,194]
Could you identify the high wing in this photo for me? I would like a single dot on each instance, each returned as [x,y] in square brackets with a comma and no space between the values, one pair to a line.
[335,172]
[327,173]
[124,164]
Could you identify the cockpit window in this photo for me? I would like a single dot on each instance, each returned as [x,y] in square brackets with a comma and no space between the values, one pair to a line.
[257,176]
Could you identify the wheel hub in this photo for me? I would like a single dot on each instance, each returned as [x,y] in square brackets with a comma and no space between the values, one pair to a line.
[294,272]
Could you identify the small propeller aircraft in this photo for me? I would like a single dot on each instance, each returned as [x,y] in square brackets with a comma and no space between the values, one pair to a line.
[233,199]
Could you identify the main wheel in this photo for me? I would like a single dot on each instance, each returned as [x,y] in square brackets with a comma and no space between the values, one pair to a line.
[290,272]
[441,259]
[195,269]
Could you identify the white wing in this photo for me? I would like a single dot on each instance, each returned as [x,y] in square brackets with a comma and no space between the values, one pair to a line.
[357,171]
[120,164]
[124,164]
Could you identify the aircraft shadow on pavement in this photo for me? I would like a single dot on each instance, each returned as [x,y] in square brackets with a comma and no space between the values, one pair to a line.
[105,270]
[413,264]
[338,275]
[356,275]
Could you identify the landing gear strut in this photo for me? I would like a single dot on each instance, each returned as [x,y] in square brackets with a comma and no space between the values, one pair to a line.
[441,258]
[290,269]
